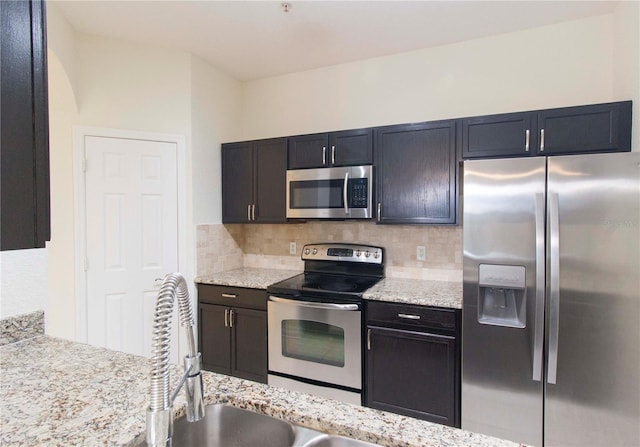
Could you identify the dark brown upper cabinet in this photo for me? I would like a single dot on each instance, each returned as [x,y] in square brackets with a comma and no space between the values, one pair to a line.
[24,154]
[323,150]
[568,130]
[254,181]
[416,170]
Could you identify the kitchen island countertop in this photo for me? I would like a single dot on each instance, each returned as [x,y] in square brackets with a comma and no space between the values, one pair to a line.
[60,393]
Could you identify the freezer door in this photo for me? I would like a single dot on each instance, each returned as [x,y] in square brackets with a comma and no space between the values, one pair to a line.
[593,372]
[503,302]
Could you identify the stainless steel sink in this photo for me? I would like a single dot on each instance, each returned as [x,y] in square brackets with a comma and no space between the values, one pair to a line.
[336,441]
[227,426]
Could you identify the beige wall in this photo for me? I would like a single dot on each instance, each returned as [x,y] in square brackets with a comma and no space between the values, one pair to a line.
[626,56]
[120,85]
[551,66]
[215,117]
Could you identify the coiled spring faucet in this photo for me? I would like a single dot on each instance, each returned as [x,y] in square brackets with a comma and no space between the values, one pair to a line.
[160,411]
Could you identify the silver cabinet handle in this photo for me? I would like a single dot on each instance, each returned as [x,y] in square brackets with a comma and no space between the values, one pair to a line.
[333,155]
[527,140]
[324,155]
[368,339]
[230,317]
[226,318]
[313,304]
[409,317]
[538,338]
[345,197]
[229,295]
[554,287]
[379,211]
[541,140]
[253,212]
[249,212]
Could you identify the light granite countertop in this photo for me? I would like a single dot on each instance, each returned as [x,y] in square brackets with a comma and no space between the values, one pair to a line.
[255,278]
[59,393]
[417,291]
[398,290]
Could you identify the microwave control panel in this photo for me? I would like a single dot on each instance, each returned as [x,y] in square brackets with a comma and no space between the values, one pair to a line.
[358,188]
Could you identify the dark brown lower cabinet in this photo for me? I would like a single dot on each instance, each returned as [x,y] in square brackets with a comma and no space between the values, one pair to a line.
[413,370]
[233,340]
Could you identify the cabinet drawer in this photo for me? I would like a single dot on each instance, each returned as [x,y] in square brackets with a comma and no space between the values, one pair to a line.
[408,315]
[233,296]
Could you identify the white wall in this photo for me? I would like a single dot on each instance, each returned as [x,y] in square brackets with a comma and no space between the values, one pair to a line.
[120,85]
[215,118]
[552,66]
[23,281]
[63,114]
[626,57]
[135,87]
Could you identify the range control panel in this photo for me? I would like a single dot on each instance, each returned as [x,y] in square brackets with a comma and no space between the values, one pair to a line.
[342,252]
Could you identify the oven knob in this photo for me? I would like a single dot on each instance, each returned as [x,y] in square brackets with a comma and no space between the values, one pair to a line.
[358,252]
[367,254]
[306,251]
[376,254]
[315,251]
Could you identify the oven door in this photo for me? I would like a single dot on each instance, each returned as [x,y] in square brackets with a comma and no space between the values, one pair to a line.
[317,341]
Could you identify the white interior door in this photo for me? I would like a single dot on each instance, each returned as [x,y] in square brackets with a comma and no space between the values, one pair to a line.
[131,238]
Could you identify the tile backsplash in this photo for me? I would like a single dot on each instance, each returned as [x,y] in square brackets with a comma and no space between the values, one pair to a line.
[225,247]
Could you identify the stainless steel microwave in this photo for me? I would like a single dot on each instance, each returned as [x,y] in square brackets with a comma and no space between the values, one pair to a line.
[330,193]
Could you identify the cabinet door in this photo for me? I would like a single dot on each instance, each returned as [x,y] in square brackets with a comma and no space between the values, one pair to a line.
[24,160]
[412,373]
[416,173]
[505,135]
[271,180]
[237,182]
[249,344]
[593,128]
[351,147]
[309,151]
[214,338]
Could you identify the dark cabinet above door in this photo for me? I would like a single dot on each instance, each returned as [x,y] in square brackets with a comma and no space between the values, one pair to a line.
[562,131]
[24,158]
[323,150]
[254,181]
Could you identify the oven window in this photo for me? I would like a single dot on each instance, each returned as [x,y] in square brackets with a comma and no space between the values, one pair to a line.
[316,194]
[313,341]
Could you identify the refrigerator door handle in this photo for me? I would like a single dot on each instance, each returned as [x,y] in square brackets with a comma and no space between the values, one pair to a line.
[538,340]
[554,287]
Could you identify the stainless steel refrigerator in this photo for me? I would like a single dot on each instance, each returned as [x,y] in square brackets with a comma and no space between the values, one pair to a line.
[551,310]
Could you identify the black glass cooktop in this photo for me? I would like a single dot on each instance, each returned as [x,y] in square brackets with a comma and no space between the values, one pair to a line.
[324,284]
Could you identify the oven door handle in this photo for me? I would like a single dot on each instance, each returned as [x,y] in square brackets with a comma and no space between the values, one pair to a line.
[330,306]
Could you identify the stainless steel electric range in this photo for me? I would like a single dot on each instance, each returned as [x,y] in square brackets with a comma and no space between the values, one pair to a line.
[315,321]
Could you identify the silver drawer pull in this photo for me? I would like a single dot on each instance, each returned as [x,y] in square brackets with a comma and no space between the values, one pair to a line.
[409,317]
[229,295]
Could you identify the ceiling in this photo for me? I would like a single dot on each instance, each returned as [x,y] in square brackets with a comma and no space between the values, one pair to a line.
[256,39]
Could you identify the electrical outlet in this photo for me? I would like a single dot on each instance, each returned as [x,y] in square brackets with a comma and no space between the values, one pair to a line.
[292,248]
[421,253]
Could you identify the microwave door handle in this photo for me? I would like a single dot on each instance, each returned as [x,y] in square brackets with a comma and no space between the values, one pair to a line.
[344,193]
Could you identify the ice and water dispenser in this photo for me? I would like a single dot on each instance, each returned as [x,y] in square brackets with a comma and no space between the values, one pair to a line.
[501,295]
